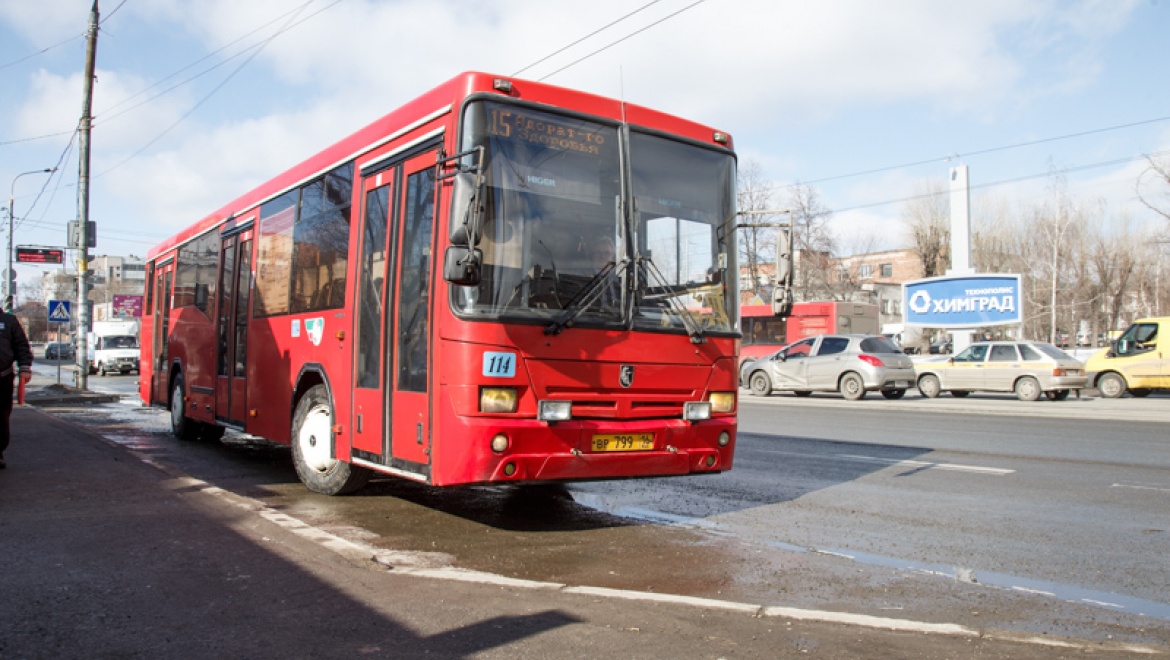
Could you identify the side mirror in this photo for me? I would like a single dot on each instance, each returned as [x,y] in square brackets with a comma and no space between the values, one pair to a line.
[463,214]
[461,265]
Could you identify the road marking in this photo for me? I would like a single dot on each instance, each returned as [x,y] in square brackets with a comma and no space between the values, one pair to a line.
[1141,487]
[916,465]
[953,467]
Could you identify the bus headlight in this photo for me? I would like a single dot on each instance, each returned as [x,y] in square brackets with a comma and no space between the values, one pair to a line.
[497,399]
[696,411]
[554,411]
[722,402]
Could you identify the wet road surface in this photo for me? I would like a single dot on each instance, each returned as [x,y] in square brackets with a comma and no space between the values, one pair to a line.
[730,536]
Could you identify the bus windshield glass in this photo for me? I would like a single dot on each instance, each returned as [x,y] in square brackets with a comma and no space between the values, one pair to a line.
[684,203]
[550,200]
[554,241]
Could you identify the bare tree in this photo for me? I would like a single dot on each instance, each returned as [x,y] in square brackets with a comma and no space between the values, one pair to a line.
[757,245]
[816,270]
[1159,172]
[927,220]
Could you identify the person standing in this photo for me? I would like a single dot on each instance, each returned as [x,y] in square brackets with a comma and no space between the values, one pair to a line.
[15,356]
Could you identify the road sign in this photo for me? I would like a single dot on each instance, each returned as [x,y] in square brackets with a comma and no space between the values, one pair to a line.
[26,255]
[59,311]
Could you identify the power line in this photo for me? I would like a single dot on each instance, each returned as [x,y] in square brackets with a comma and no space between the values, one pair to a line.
[599,30]
[1018,179]
[614,43]
[207,57]
[982,152]
[288,26]
[41,51]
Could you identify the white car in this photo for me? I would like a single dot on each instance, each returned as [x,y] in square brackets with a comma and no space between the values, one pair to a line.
[849,364]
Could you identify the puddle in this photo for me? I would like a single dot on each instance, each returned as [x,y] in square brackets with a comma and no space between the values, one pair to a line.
[1069,593]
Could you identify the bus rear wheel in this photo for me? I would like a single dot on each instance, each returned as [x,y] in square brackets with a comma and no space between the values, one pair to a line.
[312,448]
[182,427]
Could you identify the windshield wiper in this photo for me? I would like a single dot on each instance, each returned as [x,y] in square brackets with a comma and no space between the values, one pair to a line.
[680,310]
[586,297]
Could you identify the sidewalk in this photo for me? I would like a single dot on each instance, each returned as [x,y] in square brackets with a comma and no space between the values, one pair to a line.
[105,555]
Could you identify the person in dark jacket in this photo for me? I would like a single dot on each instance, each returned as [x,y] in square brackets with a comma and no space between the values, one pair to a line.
[15,357]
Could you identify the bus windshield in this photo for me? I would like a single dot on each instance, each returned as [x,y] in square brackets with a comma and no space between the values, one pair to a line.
[557,246]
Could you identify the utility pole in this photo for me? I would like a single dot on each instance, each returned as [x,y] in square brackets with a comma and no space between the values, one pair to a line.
[83,205]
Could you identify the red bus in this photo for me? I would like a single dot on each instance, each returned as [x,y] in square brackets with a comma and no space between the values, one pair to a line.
[765,333]
[501,281]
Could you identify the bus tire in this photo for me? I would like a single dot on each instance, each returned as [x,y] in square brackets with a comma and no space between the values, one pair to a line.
[1111,385]
[182,426]
[312,448]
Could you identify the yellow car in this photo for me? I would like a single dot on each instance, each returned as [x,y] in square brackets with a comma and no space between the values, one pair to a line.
[1027,368]
[1138,362]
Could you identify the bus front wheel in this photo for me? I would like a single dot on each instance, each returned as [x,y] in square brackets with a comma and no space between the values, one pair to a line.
[312,448]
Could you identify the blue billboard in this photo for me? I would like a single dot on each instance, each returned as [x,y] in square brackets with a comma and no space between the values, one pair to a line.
[971,301]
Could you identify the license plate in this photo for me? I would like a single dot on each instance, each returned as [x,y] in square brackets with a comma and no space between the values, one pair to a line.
[624,442]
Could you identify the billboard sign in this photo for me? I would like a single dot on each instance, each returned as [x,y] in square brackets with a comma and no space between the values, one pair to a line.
[972,301]
[125,305]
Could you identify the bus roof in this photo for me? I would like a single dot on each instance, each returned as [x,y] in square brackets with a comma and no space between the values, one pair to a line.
[409,121]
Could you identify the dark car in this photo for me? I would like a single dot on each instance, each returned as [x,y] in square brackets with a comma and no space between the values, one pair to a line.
[58,351]
[941,347]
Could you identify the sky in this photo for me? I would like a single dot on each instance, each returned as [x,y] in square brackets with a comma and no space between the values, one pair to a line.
[197,101]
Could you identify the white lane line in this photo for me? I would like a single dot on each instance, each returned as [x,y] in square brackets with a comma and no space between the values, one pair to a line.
[903,462]
[1141,487]
[953,467]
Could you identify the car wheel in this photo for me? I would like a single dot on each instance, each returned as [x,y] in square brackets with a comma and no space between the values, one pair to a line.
[894,394]
[929,386]
[1057,395]
[312,448]
[1111,385]
[1027,389]
[852,387]
[1140,392]
[761,385]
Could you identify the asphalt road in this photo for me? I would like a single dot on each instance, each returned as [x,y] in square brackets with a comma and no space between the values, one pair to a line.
[1049,518]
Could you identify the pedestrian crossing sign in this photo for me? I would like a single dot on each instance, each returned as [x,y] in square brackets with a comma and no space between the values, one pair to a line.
[59,311]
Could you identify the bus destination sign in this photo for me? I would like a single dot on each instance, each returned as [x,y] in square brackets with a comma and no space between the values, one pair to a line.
[40,255]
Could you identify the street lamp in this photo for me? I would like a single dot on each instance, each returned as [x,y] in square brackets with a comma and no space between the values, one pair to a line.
[9,297]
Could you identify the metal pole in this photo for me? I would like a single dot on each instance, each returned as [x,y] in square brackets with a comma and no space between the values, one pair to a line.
[9,294]
[82,356]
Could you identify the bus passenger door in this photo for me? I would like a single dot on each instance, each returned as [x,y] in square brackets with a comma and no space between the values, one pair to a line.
[235,279]
[410,377]
[370,389]
[160,358]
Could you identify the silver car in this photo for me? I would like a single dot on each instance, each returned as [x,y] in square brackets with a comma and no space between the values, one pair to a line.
[1027,368]
[849,364]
